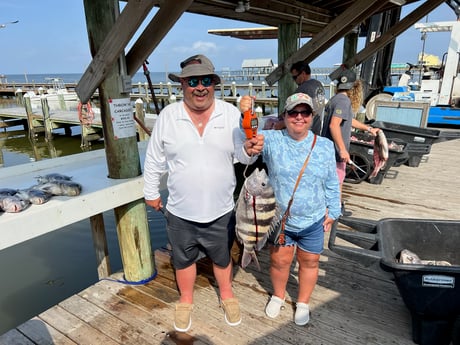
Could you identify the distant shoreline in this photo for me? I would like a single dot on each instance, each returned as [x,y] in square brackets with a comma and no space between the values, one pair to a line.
[156,77]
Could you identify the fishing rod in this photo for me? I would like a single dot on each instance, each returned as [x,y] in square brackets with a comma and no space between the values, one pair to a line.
[147,75]
[142,125]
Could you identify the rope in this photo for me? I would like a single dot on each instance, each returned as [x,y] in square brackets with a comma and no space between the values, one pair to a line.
[140,282]
[85,113]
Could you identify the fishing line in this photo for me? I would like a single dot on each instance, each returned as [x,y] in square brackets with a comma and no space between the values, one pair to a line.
[246,169]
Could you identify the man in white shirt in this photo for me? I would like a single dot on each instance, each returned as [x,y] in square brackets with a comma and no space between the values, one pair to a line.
[196,142]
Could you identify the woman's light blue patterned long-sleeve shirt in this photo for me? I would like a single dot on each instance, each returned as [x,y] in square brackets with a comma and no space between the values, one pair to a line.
[319,187]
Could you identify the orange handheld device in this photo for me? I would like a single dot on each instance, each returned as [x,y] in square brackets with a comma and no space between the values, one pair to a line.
[250,122]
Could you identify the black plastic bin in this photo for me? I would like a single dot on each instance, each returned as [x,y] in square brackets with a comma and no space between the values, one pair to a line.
[430,292]
[362,154]
[419,140]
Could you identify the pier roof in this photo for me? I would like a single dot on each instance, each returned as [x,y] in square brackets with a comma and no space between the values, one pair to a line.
[325,21]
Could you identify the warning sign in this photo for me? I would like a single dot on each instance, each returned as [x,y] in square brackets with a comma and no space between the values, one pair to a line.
[121,112]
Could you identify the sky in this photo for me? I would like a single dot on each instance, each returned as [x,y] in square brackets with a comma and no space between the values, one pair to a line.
[51,38]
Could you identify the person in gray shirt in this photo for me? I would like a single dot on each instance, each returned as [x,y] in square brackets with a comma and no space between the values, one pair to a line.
[301,73]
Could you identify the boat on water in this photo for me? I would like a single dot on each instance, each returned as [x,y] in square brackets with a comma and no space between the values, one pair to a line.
[56,94]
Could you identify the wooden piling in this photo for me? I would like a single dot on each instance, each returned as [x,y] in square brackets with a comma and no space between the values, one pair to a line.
[19,97]
[100,246]
[122,154]
[62,104]
[287,45]
[46,118]
[141,117]
[33,125]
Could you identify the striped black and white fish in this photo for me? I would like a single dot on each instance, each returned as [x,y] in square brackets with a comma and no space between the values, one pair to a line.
[257,214]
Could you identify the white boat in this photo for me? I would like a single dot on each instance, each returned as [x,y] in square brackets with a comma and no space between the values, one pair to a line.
[55,94]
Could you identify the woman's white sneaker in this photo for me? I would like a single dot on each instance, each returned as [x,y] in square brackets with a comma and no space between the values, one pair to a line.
[274,306]
[302,314]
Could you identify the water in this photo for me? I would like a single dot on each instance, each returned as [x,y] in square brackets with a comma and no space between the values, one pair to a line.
[156,77]
[40,273]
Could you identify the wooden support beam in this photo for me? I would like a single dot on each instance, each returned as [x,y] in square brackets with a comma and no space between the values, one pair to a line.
[340,26]
[115,42]
[46,118]
[287,45]
[32,123]
[390,35]
[100,245]
[159,26]
[122,153]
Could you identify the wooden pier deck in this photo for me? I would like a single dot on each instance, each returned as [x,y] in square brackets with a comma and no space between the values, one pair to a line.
[351,304]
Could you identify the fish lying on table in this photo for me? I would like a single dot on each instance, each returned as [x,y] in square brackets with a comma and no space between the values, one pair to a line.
[256,215]
[13,203]
[408,257]
[61,187]
[8,191]
[34,196]
[53,177]
[381,153]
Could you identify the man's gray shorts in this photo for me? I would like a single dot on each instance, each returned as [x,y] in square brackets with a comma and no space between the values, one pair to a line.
[192,241]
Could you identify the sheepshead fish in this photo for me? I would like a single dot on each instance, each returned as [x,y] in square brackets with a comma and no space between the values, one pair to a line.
[256,215]
[380,153]
[34,195]
[408,257]
[13,203]
[61,187]
[53,177]
[8,191]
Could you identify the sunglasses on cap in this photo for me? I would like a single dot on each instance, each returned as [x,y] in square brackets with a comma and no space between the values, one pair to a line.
[205,81]
[294,113]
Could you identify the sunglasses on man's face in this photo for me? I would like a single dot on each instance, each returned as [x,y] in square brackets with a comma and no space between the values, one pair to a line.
[294,113]
[194,81]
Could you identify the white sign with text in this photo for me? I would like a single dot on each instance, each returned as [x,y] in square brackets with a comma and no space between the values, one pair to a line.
[121,112]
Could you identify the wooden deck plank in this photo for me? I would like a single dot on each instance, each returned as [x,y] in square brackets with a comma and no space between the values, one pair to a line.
[43,334]
[108,324]
[74,328]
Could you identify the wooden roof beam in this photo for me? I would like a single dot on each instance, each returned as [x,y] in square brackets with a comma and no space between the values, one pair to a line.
[126,25]
[390,35]
[266,12]
[268,32]
[164,20]
[340,26]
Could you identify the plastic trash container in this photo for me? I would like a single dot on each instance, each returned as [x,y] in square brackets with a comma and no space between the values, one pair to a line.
[419,140]
[430,292]
[362,154]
